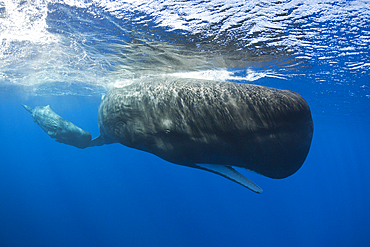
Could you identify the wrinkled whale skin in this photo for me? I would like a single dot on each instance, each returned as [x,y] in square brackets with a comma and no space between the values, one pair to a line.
[191,121]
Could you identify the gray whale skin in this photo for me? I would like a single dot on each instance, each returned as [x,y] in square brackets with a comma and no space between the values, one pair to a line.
[207,125]
[57,127]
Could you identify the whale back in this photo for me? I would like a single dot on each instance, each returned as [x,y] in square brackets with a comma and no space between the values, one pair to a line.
[193,121]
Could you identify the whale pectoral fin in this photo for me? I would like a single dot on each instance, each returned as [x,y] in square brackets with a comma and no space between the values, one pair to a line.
[230,173]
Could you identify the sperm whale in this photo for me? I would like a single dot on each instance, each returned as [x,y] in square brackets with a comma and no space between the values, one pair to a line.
[209,125]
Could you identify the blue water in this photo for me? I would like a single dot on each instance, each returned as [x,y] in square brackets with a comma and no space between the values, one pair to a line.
[68,54]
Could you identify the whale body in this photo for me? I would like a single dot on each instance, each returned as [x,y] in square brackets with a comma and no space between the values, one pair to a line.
[210,125]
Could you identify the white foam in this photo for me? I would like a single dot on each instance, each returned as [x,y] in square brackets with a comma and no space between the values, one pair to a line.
[25,21]
[31,55]
[225,75]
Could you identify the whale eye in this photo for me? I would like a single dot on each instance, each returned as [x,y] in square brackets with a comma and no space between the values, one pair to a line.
[166,125]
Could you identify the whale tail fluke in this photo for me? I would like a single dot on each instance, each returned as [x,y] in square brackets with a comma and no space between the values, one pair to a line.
[29,109]
[100,141]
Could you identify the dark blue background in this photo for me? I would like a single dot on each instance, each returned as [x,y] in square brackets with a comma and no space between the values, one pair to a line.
[57,195]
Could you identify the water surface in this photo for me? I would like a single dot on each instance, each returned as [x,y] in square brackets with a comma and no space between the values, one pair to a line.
[70,53]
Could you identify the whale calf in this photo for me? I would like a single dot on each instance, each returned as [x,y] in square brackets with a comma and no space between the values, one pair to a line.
[57,127]
[210,125]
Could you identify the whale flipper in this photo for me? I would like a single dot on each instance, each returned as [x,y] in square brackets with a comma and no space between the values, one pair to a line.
[230,173]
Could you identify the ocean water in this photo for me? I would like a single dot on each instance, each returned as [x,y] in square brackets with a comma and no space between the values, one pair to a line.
[68,54]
